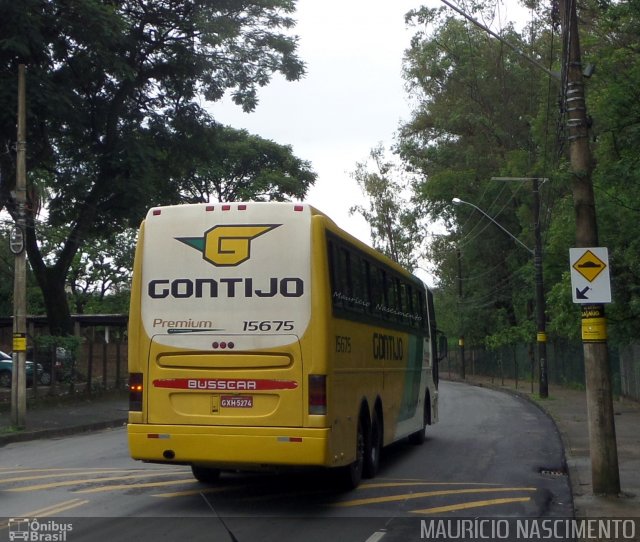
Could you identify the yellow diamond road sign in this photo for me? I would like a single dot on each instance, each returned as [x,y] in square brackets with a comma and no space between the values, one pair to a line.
[590,281]
[589,266]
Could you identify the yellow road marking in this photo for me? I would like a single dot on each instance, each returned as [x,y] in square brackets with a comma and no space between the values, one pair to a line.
[405,484]
[408,496]
[89,481]
[194,492]
[75,473]
[135,486]
[467,505]
[48,510]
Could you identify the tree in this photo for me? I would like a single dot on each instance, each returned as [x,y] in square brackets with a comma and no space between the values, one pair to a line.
[477,105]
[111,87]
[394,227]
[233,165]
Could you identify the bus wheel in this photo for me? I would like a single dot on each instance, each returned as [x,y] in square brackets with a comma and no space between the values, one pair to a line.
[351,475]
[205,474]
[419,437]
[372,457]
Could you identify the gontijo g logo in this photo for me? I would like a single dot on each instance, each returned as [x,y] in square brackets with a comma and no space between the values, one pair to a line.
[227,246]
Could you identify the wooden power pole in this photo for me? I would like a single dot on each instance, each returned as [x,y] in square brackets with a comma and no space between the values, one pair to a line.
[19,373]
[602,434]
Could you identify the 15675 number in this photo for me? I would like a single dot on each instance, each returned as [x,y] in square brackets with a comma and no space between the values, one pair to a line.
[267,325]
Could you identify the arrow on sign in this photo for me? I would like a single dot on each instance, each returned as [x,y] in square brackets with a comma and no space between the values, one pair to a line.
[581,294]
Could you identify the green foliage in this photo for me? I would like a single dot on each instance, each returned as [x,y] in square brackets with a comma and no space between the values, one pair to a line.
[233,165]
[391,217]
[483,112]
[69,343]
[114,91]
[457,139]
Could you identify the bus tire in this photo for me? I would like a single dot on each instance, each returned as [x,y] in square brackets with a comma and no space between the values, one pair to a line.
[351,475]
[373,450]
[419,437]
[205,475]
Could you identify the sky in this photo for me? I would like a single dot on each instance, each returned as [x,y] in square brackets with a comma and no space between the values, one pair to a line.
[352,98]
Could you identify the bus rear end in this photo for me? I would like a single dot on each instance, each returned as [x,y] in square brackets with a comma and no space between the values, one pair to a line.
[221,302]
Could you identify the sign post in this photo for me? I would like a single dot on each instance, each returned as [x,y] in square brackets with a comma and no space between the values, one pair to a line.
[591,288]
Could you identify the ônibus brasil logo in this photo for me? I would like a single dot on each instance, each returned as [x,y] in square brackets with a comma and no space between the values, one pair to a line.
[35,530]
[227,246]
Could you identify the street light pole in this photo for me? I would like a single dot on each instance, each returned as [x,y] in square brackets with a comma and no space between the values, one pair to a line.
[540,299]
[541,320]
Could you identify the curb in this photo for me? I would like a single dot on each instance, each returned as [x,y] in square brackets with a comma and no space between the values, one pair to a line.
[60,431]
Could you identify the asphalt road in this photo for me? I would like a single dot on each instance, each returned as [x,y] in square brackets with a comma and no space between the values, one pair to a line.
[491,455]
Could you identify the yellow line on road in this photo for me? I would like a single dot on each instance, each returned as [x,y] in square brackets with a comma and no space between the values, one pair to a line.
[407,484]
[467,505]
[48,510]
[408,496]
[89,481]
[135,486]
[75,473]
[194,492]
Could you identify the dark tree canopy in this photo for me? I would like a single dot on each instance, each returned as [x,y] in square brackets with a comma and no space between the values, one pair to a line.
[113,88]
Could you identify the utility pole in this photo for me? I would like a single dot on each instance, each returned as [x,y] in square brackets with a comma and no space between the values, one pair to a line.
[541,305]
[541,336]
[463,372]
[602,435]
[19,372]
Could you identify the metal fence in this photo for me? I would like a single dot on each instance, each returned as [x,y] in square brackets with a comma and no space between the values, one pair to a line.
[99,364]
[565,364]
[630,371]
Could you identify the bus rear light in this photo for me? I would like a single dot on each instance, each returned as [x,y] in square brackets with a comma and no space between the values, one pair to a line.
[210,208]
[157,212]
[298,207]
[317,394]
[135,391]
[242,207]
[226,207]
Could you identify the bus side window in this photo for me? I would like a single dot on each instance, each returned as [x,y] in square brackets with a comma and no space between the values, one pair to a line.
[368,286]
[415,311]
[345,276]
[359,280]
[333,275]
[407,303]
[423,314]
[378,292]
[392,298]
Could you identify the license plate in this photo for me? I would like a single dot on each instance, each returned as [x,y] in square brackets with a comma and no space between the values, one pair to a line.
[236,401]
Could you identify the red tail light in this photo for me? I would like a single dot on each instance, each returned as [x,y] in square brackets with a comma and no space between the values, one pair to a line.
[135,391]
[317,394]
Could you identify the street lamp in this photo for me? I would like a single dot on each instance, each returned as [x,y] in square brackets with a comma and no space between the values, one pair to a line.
[540,300]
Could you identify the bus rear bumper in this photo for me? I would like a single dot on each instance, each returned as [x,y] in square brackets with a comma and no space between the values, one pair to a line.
[230,447]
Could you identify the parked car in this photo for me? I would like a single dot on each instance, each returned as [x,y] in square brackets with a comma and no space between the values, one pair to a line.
[62,364]
[6,369]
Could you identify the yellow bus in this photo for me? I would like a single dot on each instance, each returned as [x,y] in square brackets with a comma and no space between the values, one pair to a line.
[262,335]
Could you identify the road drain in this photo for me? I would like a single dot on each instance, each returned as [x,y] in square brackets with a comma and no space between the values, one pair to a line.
[552,472]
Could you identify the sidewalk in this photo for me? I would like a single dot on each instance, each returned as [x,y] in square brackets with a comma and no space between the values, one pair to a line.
[567,407]
[66,416]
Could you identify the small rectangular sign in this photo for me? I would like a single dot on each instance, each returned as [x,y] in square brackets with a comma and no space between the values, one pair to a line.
[590,280]
[19,342]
